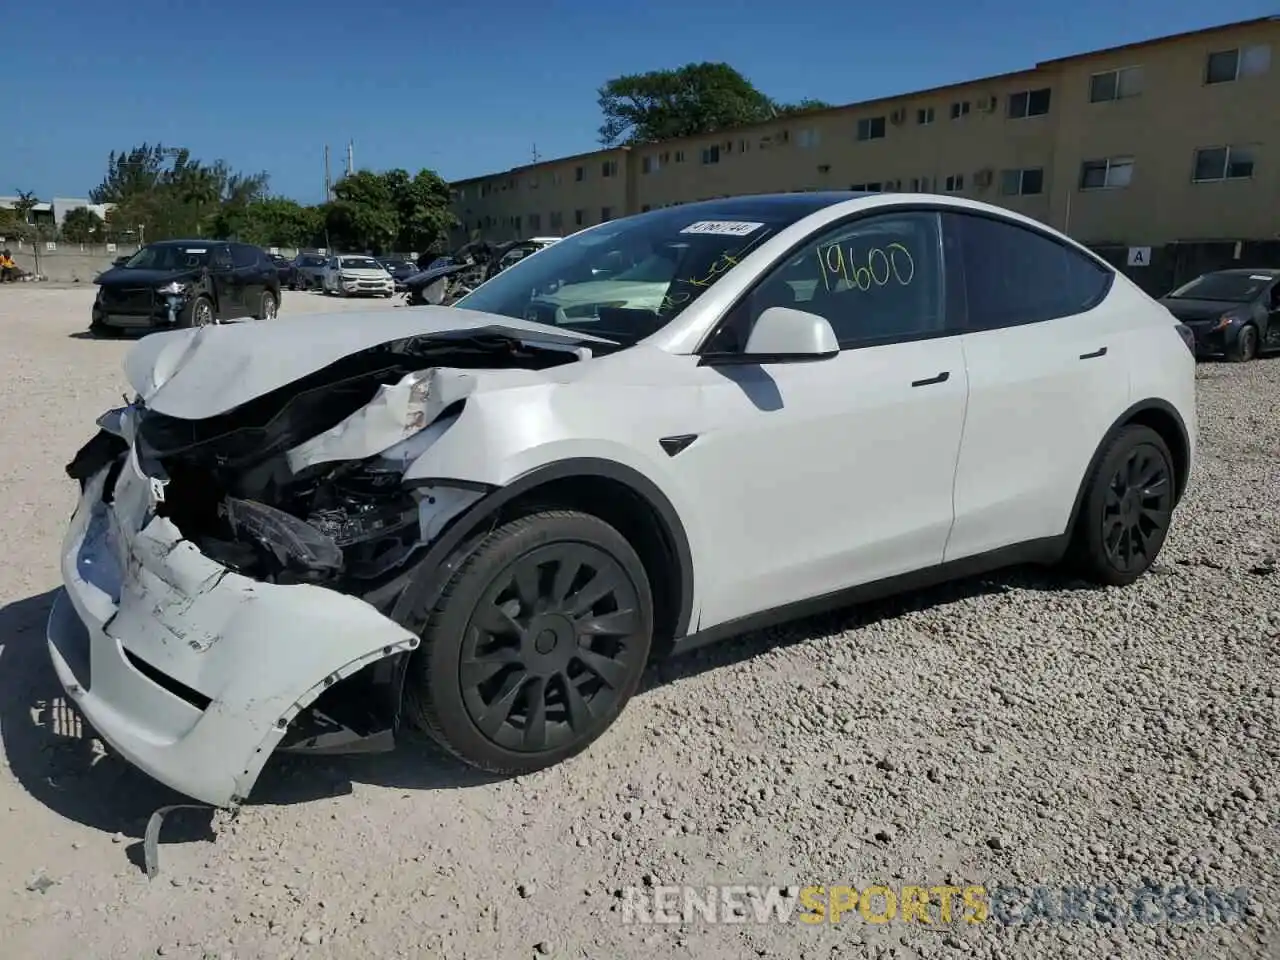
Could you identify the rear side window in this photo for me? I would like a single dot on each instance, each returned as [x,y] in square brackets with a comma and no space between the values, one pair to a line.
[1014,275]
[243,255]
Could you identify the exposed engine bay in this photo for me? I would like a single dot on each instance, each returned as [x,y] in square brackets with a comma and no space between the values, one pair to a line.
[238,489]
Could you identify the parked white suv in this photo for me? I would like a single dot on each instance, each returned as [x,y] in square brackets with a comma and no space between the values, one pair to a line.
[487,519]
[348,276]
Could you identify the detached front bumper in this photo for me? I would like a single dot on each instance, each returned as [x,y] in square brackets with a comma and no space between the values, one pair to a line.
[191,672]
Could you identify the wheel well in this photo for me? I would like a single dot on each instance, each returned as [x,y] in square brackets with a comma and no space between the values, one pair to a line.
[1167,426]
[639,521]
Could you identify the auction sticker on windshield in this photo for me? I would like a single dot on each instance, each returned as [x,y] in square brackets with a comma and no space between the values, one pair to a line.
[723,228]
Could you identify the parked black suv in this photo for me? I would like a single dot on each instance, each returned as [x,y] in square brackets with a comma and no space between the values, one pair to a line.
[186,283]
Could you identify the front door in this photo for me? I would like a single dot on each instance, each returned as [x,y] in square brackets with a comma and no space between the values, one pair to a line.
[227,291]
[822,475]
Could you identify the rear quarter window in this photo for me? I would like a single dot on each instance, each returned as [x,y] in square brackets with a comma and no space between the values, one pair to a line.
[1014,275]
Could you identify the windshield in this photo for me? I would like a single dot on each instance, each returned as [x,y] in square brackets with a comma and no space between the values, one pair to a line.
[168,256]
[1228,287]
[360,263]
[629,278]
[395,264]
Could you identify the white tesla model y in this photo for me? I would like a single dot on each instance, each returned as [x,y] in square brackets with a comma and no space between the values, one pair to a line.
[486,519]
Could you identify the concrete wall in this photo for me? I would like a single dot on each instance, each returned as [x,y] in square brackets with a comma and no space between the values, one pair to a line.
[73,262]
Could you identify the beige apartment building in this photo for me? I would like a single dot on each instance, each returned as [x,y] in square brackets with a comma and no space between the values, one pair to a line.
[1175,139]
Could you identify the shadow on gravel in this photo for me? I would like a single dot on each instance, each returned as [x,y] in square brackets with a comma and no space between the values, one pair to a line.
[750,645]
[56,757]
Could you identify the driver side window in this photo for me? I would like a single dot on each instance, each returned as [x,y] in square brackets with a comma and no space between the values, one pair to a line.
[875,280]
[221,258]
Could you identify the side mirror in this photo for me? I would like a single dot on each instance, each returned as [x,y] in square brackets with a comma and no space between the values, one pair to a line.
[784,335]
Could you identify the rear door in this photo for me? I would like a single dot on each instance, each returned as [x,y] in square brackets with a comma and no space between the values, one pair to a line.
[1048,370]
[251,271]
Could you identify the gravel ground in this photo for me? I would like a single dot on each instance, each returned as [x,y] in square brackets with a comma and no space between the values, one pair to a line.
[1017,729]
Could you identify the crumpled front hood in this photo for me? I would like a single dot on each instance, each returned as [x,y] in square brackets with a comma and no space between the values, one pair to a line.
[202,372]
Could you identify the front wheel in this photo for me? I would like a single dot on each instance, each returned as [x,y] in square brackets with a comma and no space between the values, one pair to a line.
[1127,508]
[1246,345]
[198,313]
[535,645]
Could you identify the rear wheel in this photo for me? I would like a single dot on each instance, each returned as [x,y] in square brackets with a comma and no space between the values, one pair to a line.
[536,644]
[267,306]
[1246,345]
[1127,508]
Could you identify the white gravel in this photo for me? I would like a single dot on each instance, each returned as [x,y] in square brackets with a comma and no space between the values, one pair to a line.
[1017,729]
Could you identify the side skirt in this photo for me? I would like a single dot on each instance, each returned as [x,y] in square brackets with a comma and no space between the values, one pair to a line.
[1045,551]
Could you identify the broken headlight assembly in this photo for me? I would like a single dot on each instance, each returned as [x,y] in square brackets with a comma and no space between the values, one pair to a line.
[371,517]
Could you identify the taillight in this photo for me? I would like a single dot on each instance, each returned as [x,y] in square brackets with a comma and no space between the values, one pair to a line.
[1187,336]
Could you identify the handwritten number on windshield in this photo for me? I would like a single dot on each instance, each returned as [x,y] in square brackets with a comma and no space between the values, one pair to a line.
[893,262]
[723,264]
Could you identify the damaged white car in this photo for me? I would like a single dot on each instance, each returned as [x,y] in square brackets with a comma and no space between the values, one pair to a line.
[484,520]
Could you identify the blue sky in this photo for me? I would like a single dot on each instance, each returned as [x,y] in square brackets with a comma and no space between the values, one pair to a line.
[469,88]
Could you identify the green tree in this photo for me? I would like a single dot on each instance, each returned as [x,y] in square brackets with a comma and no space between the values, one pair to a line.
[83,225]
[271,222]
[807,105]
[689,100]
[423,205]
[165,193]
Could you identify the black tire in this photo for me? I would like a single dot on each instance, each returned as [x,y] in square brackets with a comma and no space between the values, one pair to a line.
[105,331]
[193,310]
[524,651]
[1127,508]
[1246,346]
[268,304]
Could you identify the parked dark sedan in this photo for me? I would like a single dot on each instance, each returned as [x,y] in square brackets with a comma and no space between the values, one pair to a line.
[399,268]
[308,271]
[186,283]
[284,269]
[1235,313]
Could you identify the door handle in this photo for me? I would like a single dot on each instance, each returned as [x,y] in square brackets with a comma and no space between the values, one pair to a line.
[1100,352]
[940,378]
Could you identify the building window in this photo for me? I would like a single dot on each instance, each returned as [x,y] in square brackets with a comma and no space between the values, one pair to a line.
[556,220]
[535,221]
[1029,103]
[711,154]
[1224,66]
[959,109]
[609,168]
[744,146]
[679,156]
[606,214]
[579,218]
[874,186]
[1115,84]
[555,178]
[515,222]
[954,183]
[1101,174]
[533,182]
[1223,163]
[924,116]
[871,128]
[650,164]
[645,208]
[1021,183]
[579,174]
[484,189]
[808,138]
[462,193]
[921,184]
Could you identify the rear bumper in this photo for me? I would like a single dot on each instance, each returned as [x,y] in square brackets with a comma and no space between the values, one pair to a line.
[191,672]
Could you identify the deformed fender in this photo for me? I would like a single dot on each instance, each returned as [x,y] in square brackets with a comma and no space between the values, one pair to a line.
[444,557]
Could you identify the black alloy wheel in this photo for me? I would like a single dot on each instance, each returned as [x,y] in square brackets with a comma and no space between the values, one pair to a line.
[1128,508]
[537,644]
